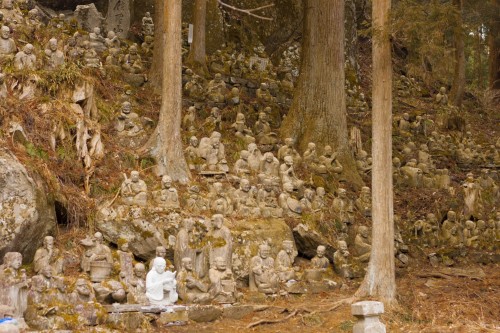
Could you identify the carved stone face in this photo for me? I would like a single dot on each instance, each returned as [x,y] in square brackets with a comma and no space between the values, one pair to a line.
[320,251]
[48,242]
[217,221]
[269,158]
[245,185]
[5,32]
[194,142]
[187,264]
[82,287]
[166,181]
[16,263]
[139,270]
[134,175]
[220,263]
[264,252]
[8,4]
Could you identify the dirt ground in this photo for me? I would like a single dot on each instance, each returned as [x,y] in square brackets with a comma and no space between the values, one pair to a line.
[426,304]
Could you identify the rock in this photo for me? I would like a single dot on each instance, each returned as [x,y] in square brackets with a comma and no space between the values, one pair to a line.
[129,321]
[135,80]
[88,17]
[118,17]
[27,215]
[307,240]
[169,317]
[205,313]
[237,311]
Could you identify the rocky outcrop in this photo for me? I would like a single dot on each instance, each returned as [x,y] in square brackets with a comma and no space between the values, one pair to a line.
[27,215]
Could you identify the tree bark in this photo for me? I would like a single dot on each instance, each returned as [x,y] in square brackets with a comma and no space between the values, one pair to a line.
[351,40]
[458,86]
[318,111]
[165,145]
[494,46]
[380,281]
[196,59]
[155,78]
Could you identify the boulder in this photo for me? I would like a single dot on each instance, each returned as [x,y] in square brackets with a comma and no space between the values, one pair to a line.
[204,313]
[307,240]
[88,17]
[27,215]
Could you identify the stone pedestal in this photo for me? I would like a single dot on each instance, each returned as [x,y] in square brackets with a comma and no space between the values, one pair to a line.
[367,313]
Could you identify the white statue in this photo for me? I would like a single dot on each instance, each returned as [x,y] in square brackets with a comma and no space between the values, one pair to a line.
[161,284]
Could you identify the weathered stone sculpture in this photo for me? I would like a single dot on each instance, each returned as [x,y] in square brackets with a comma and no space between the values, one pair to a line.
[222,284]
[263,277]
[255,157]
[287,174]
[216,89]
[442,97]
[329,161]
[284,262]
[132,61]
[268,201]
[7,45]
[241,130]
[25,59]
[220,202]
[341,261]
[134,191]
[148,27]
[222,241]
[161,284]
[97,40]
[289,150]
[167,197]
[362,244]
[195,203]
[245,200]
[54,58]
[183,247]
[97,259]
[364,202]
[13,283]
[290,205]
[137,285]
[263,132]
[90,56]
[190,287]
[344,208]
[48,256]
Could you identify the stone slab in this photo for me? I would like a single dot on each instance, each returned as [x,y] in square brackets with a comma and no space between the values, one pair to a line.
[237,311]
[367,308]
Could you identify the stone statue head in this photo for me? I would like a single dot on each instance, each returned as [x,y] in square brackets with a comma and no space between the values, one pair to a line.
[288,246]
[220,264]
[263,86]
[8,4]
[363,231]
[187,264]
[342,193]
[311,146]
[53,44]
[126,107]
[193,141]
[289,142]
[97,30]
[188,224]
[134,176]
[288,187]
[309,194]
[217,221]
[159,265]
[48,242]
[320,251]
[244,155]
[268,184]
[218,77]
[269,157]
[320,192]
[133,49]
[124,247]
[147,14]
[327,151]
[28,49]
[166,181]
[139,270]
[288,160]
[46,271]
[342,246]
[442,90]
[98,237]
[245,185]
[262,115]
[252,147]
[264,251]
[5,33]
[13,260]
[111,34]
[82,287]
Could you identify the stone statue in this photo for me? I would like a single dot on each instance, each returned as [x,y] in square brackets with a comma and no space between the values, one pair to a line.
[190,287]
[310,156]
[245,200]
[289,150]
[404,123]
[287,174]
[183,244]
[125,262]
[262,131]
[13,283]
[90,56]
[137,285]
[308,199]
[148,27]
[241,167]
[216,89]
[221,244]
[329,161]
[7,45]
[54,57]
[290,205]
[222,285]
[161,285]
[132,62]
[362,244]
[161,252]
[264,94]
[320,261]
[25,59]
[134,191]
[364,202]
[268,201]
[97,258]
[319,199]
[472,196]
[195,203]
[263,277]
[220,202]
[214,120]
[48,256]
[343,206]
[448,225]
[214,155]
[97,40]
[112,41]
[362,163]
[167,197]
[442,97]
[341,261]
[190,118]
[255,157]
[241,130]
[3,86]
[193,154]
[284,262]
[269,168]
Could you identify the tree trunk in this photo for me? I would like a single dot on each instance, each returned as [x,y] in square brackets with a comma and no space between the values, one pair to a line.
[318,111]
[165,145]
[380,281]
[494,46]
[351,41]
[197,54]
[458,86]
[155,78]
